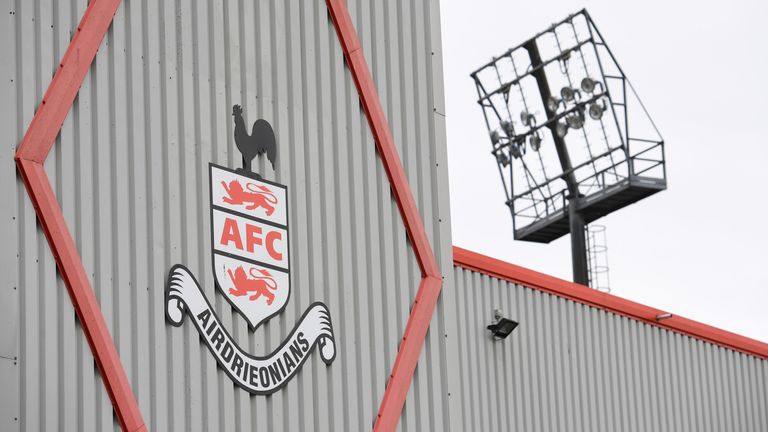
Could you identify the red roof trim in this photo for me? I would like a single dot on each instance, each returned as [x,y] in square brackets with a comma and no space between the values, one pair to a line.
[611,303]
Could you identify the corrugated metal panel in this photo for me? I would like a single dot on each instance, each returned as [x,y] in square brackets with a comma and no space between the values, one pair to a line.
[573,367]
[130,170]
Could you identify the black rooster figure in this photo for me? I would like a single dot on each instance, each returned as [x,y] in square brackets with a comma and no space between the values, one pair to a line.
[260,141]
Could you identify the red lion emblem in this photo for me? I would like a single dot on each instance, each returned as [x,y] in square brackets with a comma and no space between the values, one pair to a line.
[260,285]
[253,195]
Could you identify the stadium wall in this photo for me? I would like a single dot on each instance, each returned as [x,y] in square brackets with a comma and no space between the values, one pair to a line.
[130,172]
[582,360]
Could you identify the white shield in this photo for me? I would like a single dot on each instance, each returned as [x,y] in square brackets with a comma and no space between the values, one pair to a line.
[249,221]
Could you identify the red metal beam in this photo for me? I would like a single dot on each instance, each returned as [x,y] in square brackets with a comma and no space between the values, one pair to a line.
[30,159]
[611,303]
[431,282]
[382,135]
[408,355]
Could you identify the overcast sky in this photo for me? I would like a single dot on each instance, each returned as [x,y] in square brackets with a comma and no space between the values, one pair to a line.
[698,249]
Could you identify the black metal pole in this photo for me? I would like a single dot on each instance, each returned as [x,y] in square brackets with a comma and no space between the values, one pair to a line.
[578,244]
[577,225]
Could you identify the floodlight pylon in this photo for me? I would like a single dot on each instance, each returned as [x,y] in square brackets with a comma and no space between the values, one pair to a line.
[587,161]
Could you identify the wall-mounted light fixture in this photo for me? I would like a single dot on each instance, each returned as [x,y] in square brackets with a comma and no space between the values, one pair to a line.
[503,327]
[663,316]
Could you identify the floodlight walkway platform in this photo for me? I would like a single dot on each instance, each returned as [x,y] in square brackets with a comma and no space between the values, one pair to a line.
[592,207]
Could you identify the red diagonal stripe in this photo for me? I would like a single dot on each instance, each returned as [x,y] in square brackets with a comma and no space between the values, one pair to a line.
[30,159]
[83,299]
[53,109]
[431,282]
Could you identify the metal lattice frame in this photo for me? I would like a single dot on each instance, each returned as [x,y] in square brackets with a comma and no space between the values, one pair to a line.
[602,153]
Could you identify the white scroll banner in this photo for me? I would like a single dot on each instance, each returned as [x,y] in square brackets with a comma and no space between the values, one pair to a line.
[257,375]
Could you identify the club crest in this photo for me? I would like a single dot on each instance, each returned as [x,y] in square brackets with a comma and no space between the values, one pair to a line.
[249,244]
[249,226]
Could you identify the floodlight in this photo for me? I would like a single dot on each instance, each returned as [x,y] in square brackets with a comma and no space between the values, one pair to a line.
[553,103]
[588,85]
[527,119]
[517,149]
[502,328]
[502,158]
[507,127]
[495,137]
[568,94]
[535,141]
[595,111]
[575,120]
[561,129]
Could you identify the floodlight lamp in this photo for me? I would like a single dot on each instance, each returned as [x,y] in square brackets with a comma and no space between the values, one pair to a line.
[507,127]
[535,142]
[561,129]
[595,111]
[552,104]
[502,328]
[517,149]
[527,119]
[495,137]
[568,94]
[575,120]
[502,158]
[588,85]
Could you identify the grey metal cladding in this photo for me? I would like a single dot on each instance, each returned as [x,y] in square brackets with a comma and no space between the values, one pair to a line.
[573,367]
[130,171]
